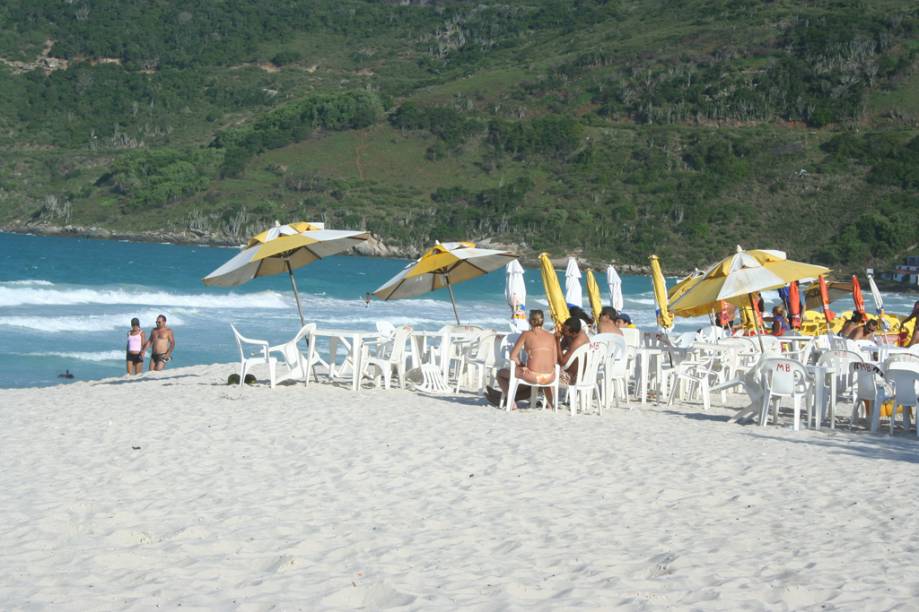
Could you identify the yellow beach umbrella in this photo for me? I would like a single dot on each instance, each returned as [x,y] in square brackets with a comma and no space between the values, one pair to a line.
[593,294]
[558,308]
[738,275]
[682,287]
[664,318]
[443,265]
[283,248]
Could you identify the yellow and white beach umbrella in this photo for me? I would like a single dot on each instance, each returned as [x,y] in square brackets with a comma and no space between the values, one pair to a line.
[737,276]
[443,265]
[283,248]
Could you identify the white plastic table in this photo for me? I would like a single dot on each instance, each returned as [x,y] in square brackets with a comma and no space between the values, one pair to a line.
[351,340]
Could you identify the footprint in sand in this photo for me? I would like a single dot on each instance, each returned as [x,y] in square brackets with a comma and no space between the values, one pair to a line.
[128,537]
[661,565]
[375,596]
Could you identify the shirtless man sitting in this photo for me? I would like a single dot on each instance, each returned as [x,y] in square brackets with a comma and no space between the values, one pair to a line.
[606,323]
[163,343]
[865,332]
[541,350]
[576,337]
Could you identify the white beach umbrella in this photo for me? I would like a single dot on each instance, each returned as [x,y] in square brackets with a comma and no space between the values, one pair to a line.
[515,289]
[875,293]
[615,288]
[878,300]
[573,293]
[283,248]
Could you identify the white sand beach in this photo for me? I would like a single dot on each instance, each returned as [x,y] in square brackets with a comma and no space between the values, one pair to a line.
[179,490]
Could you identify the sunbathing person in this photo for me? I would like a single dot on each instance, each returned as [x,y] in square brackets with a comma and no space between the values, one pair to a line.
[853,322]
[542,355]
[606,324]
[574,333]
[865,332]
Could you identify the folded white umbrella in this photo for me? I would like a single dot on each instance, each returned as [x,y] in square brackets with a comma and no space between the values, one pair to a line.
[573,293]
[615,288]
[515,289]
[878,300]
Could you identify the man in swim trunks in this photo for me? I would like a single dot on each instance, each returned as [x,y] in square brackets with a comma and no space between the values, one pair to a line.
[163,343]
[541,351]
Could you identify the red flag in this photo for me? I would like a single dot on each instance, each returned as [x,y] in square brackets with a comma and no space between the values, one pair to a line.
[857,296]
[794,305]
[825,298]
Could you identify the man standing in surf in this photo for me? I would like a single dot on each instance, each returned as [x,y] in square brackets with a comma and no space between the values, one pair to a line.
[163,343]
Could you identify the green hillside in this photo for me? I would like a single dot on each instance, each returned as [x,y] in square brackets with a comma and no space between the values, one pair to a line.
[610,129]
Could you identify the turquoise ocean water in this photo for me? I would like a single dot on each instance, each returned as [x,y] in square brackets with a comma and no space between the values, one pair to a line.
[66,303]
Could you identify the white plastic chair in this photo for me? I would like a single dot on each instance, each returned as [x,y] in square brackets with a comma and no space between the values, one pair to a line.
[711,333]
[251,358]
[589,358]
[615,372]
[903,377]
[869,387]
[299,366]
[387,361]
[696,375]
[784,378]
[802,354]
[514,383]
[480,357]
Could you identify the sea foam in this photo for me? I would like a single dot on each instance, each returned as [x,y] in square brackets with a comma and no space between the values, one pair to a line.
[36,294]
[90,323]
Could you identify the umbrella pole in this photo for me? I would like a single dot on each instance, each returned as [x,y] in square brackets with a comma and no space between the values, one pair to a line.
[759,335]
[293,283]
[452,299]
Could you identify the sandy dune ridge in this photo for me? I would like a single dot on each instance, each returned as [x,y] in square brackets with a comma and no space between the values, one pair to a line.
[176,489]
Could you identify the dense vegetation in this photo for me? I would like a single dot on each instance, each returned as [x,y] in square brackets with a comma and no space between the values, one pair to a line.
[612,128]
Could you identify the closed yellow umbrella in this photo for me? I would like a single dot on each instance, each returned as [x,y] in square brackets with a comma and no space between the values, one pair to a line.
[593,294]
[664,318]
[558,308]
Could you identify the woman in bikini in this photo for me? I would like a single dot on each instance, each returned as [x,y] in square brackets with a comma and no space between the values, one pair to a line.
[135,348]
[542,354]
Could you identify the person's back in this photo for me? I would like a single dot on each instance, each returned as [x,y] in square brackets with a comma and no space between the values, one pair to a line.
[541,351]
[606,323]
